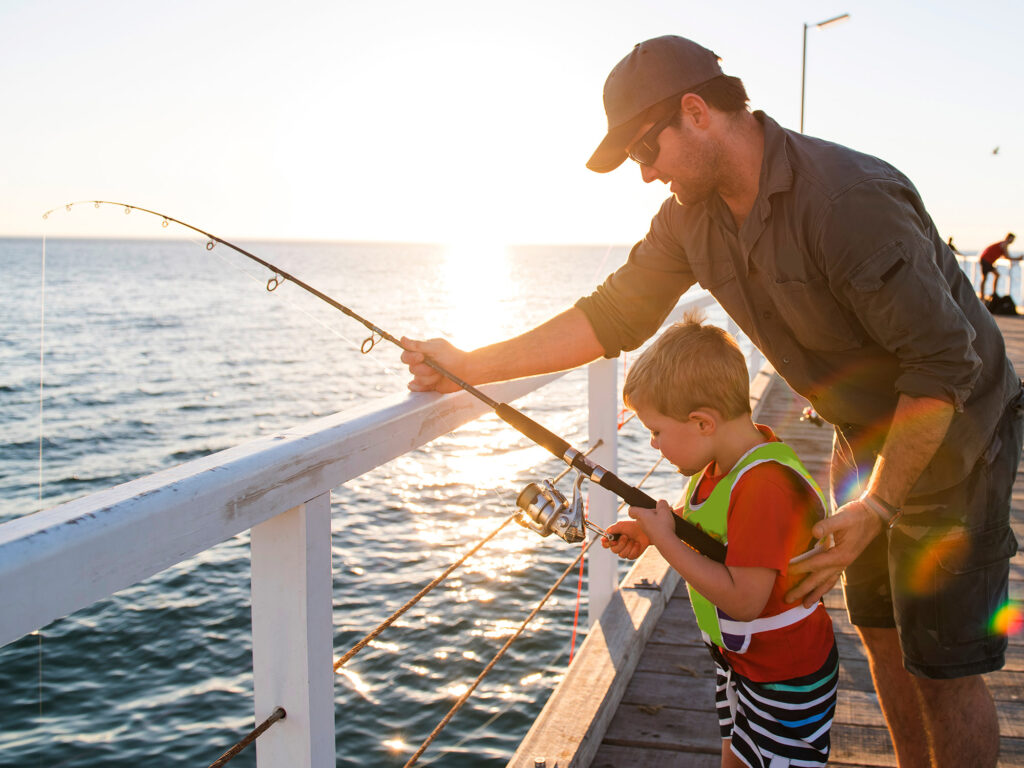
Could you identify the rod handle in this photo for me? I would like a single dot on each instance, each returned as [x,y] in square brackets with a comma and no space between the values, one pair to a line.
[697,538]
[527,426]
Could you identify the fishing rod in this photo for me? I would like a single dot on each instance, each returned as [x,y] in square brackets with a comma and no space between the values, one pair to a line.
[542,508]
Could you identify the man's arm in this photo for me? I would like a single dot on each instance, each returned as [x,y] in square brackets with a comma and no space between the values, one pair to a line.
[565,341]
[918,427]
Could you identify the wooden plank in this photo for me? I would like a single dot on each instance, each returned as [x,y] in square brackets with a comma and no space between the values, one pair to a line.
[292,635]
[611,756]
[569,729]
[687,730]
[602,433]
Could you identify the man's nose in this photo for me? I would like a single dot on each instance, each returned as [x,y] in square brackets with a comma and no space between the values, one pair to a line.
[648,174]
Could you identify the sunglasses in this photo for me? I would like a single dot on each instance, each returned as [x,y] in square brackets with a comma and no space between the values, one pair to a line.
[645,150]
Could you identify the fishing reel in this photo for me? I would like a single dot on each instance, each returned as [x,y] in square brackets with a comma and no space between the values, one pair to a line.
[544,510]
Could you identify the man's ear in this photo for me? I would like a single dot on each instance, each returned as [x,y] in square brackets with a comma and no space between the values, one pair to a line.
[694,109]
[707,420]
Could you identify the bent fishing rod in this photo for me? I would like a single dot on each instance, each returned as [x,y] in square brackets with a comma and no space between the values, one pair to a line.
[560,448]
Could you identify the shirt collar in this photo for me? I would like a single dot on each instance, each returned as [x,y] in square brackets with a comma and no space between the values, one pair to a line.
[776,169]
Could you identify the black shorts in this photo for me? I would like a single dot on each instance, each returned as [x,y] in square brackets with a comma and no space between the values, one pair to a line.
[986,268]
[941,574]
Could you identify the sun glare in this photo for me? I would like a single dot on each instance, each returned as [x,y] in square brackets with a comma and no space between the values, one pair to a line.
[476,277]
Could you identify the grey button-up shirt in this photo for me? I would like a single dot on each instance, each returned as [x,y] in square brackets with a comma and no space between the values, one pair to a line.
[839,276]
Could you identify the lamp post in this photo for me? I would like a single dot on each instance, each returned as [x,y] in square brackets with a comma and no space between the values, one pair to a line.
[803,72]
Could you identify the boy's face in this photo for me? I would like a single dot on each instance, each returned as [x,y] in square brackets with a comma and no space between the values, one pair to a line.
[681,442]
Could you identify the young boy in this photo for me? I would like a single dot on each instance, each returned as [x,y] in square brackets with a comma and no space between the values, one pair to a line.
[776,664]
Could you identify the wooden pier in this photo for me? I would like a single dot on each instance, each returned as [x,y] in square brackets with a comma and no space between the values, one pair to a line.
[640,692]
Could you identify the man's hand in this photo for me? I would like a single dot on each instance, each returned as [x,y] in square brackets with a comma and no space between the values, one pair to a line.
[631,541]
[425,378]
[853,526]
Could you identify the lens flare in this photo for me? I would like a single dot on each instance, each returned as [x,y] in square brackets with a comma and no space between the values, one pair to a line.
[926,574]
[1008,620]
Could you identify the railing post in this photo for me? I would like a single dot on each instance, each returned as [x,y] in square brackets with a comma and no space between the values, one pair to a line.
[292,635]
[754,358]
[603,400]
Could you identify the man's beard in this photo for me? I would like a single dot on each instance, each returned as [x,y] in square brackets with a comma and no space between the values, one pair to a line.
[701,183]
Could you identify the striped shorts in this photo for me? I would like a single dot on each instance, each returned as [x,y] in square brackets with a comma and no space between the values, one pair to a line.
[774,725]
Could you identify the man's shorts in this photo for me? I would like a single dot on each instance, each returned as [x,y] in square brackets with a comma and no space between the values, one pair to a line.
[774,725]
[941,574]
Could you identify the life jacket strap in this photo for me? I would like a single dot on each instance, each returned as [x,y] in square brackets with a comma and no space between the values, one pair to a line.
[766,623]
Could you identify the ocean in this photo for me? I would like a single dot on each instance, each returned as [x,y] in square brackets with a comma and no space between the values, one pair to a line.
[137,355]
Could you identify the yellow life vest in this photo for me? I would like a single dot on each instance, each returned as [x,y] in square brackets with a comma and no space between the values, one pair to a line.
[711,514]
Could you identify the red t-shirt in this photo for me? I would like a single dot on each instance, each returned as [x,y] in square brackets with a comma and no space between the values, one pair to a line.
[771,512]
[992,253]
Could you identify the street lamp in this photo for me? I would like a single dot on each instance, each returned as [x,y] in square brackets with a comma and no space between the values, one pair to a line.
[803,72]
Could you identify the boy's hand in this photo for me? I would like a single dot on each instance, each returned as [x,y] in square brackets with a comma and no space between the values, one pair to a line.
[632,540]
[656,523]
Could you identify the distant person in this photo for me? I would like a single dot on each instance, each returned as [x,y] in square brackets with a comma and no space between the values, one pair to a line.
[988,260]
[952,247]
[830,263]
[776,665]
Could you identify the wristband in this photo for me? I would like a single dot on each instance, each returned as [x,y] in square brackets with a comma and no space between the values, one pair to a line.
[885,511]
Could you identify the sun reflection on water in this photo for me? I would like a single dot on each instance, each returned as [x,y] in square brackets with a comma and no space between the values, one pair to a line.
[477,292]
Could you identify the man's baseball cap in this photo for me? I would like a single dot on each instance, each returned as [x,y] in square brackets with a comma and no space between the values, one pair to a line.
[653,71]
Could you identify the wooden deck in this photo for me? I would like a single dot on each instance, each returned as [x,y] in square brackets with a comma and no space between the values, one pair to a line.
[664,715]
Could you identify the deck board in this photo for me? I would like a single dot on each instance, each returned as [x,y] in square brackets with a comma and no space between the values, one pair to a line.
[666,719]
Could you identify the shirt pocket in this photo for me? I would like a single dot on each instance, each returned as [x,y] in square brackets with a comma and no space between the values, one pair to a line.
[816,320]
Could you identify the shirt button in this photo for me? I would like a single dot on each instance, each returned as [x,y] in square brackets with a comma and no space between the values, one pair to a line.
[785,360]
[767,315]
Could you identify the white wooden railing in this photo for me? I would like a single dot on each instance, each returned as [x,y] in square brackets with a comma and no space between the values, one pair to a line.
[1008,276]
[55,562]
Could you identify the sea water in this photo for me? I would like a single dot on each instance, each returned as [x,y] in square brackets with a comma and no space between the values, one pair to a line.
[133,356]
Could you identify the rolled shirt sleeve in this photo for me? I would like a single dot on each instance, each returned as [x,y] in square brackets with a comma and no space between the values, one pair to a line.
[633,302]
[879,259]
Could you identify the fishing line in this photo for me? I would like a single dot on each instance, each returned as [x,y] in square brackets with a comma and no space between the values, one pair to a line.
[689,533]
[297,306]
[42,358]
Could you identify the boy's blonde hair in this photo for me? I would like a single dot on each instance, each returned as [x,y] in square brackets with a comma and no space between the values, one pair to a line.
[691,365]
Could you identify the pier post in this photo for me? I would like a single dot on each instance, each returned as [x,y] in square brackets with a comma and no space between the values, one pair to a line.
[292,635]
[603,400]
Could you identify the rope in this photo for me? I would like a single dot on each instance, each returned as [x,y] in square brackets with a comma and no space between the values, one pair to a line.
[423,592]
[278,714]
[416,598]
[501,652]
[644,479]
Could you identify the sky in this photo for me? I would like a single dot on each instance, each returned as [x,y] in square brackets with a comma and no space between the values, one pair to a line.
[460,121]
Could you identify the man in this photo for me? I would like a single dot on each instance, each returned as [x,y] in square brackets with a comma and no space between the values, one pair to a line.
[988,260]
[830,263]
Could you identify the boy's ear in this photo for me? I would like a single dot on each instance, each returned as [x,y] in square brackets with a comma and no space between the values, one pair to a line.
[707,420]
